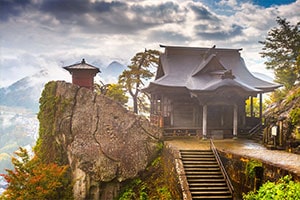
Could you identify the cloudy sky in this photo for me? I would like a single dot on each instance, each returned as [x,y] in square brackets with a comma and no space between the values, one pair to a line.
[37,34]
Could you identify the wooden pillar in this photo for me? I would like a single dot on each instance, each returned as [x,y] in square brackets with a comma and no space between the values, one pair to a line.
[260,106]
[251,106]
[235,121]
[204,122]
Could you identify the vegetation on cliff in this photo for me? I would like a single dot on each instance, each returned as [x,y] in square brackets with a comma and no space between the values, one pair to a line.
[286,115]
[151,184]
[281,49]
[33,179]
[51,106]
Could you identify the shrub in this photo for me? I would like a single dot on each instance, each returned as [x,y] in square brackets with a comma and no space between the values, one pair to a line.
[284,188]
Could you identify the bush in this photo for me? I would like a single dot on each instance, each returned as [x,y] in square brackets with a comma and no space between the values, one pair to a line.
[284,188]
[32,179]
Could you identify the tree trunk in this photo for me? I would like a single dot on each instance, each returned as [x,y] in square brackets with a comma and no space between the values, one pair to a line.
[135,105]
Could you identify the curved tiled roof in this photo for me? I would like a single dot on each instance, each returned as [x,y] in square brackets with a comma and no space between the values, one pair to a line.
[82,66]
[203,69]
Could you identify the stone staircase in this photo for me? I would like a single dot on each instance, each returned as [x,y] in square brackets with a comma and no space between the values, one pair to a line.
[204,175]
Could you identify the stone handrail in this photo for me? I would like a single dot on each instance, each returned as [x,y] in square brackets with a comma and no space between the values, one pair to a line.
[227,179]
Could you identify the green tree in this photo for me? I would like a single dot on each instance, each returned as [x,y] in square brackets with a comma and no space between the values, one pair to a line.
[116,92]
[256,107]
[32,179]
[281,48]
[137,73]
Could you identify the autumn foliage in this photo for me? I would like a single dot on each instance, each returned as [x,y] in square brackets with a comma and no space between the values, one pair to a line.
[32,179]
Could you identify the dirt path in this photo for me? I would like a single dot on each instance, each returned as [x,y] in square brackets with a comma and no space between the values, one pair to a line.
[247,148]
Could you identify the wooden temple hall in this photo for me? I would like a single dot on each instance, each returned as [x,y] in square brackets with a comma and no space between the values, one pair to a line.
[202,91]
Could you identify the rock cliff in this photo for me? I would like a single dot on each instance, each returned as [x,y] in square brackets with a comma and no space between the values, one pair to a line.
[285,115]
[103,143]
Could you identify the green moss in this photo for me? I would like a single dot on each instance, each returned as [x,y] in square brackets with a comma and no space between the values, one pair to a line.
[160,146]
[250,168]
[156,162]
[51,107]
[295,116]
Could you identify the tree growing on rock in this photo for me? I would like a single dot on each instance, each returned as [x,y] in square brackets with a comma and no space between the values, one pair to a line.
[114,91]
[282,48]
[139,71]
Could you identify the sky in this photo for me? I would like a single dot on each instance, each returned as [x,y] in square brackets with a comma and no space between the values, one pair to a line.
[38,34]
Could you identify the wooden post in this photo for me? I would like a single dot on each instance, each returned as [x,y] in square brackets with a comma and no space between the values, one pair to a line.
[235,121]
[204,124]
[251,106]
[260,106]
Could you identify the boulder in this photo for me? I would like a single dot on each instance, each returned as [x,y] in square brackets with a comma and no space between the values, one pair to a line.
[105,144]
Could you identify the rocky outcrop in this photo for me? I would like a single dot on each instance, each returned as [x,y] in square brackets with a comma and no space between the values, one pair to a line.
[105,143]
[285,115]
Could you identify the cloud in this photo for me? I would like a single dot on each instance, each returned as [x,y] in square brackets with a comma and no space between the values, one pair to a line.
[57,32]
[168,36]
[112,17]
[217,32]
[11,8]
[203,13]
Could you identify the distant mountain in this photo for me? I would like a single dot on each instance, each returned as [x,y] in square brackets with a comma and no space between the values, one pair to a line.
[25,93]
[113,69]
[111,73]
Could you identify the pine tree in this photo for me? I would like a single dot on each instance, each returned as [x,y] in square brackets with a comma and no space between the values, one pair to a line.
[137,73]
[282,48]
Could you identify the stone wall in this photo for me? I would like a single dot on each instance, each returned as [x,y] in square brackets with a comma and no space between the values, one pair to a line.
[236,165]
[174,173]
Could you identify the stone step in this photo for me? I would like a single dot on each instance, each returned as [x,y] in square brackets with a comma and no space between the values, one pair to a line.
[198,159]
[204,176]
[208,173]
[201,169]
[206,180]
[196,184]
[198,156]
[223,197]
[199,163]
[194,150]
[187,166]
[211,193]
[209,188]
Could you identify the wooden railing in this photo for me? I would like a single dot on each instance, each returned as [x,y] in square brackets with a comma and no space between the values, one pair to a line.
[227,179]
[255,129]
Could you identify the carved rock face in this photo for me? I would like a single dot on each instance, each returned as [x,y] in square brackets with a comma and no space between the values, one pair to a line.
[104,141]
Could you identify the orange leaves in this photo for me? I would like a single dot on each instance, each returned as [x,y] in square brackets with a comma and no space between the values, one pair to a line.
[32,179]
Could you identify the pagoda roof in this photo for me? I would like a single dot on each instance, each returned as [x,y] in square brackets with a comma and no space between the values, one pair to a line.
[206,69]
[82,66]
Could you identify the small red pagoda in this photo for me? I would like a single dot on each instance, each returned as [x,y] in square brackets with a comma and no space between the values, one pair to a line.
[83,74]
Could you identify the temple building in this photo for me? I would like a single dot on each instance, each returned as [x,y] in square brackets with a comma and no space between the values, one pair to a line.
[83,74]
[203,91]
